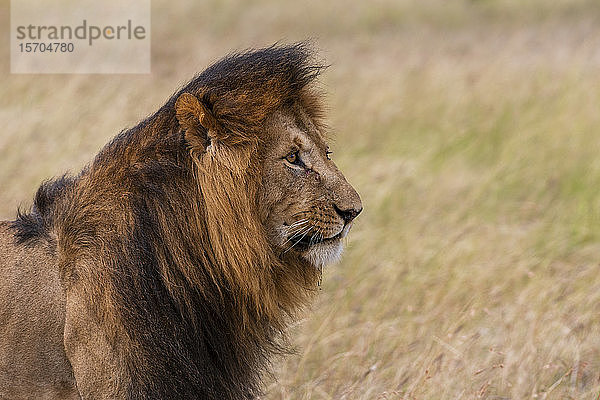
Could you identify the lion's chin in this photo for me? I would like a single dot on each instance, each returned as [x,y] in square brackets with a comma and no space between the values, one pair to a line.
[324,253]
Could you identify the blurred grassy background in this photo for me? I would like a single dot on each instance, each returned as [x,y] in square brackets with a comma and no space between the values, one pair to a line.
[471,130]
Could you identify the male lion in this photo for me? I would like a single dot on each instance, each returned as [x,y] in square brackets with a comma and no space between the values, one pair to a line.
[169,267]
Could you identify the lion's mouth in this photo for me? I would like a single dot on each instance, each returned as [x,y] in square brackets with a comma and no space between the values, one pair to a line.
[304,242]
[308,241]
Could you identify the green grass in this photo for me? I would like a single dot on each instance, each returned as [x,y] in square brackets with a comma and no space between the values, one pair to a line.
[471,130]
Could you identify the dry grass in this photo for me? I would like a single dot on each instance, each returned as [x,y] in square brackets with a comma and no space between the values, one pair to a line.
[472,131]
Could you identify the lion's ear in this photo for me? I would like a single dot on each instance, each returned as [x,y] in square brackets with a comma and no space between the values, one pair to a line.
[197,121]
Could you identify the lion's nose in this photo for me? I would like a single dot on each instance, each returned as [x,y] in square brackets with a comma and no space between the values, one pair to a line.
[348,214]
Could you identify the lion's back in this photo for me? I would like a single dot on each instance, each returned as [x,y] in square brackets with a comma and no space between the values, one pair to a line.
[32,357]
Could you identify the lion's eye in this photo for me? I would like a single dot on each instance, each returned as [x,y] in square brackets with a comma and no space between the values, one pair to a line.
[328,154]
[293,158]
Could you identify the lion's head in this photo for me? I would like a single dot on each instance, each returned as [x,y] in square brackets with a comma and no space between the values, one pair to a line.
[307,205]
[304,203]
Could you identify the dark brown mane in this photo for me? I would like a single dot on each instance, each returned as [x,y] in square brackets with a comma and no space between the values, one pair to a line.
[244,88]
[167,242]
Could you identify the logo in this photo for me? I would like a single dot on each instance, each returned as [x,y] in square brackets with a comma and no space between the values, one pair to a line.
[81,36]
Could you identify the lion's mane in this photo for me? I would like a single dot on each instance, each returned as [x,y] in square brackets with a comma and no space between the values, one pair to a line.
[165,239]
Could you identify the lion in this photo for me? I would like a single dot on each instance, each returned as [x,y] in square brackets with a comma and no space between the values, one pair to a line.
[170,266]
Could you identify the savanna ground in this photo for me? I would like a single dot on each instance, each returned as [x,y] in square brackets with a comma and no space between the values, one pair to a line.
[471,130]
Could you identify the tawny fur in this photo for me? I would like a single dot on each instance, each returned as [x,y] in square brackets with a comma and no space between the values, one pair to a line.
[167,280]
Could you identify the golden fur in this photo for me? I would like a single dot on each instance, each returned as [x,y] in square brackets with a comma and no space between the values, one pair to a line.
[183,250]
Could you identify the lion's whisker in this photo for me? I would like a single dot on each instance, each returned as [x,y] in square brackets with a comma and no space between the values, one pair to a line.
[303,231]
[298,223]
[296,230]
[315,238]
[299,240]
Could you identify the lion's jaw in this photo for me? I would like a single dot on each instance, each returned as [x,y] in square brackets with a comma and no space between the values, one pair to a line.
[327,252]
